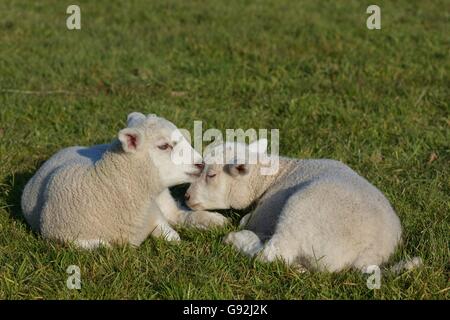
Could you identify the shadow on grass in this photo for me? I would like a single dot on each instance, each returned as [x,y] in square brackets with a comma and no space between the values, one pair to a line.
[14,185]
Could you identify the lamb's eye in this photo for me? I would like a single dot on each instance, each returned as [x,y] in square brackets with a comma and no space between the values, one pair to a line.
[211,175]
[165,146]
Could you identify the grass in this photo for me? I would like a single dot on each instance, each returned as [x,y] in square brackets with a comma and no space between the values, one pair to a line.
[377,100]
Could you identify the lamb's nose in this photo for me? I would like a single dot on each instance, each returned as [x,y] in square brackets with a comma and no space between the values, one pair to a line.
[187,196]
[200,165]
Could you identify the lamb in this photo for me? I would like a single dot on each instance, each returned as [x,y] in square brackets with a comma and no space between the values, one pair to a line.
[313,214]
[116,193]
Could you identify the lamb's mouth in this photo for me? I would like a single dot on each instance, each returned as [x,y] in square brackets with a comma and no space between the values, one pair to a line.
[194,174]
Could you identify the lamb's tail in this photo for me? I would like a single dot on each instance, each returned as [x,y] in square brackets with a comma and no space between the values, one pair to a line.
[406,265]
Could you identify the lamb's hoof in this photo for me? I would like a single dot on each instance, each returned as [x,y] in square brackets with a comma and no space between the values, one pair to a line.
[240,238]
[245,241]
[172,236]
[206,220]
[299,268]
[270,253]
[230,238]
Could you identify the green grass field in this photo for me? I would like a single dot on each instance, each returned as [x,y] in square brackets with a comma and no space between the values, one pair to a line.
[377,100]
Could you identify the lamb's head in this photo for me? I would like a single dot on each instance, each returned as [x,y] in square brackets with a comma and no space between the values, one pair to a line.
[228,180]
[167,149]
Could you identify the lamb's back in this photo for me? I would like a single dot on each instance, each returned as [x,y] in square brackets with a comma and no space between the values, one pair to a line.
[34,193]
[333,179]
[325,171]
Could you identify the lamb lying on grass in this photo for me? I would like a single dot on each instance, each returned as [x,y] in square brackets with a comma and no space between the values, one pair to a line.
[315,214]
[116,193]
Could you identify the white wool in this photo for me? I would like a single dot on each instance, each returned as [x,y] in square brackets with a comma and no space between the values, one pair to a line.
[318,214]
[113,193]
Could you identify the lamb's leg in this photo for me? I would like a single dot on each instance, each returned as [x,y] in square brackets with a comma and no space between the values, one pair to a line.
[165,231]
[158,225]
[244,220]
[90,244]
[249,243]
[170,209]
[244,241]
[278,248]
[176,216]
[205,219]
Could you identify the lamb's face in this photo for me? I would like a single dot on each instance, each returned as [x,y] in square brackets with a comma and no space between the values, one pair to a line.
[211,190]
[223,186]
[173,155]
[168,149]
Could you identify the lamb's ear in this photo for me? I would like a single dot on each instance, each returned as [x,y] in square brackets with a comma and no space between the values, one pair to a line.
[134,118]
[235,170]
[258,146]
[131,139]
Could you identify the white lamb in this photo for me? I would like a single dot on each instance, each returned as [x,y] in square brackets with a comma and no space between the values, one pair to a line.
[116,193]
[314,214]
